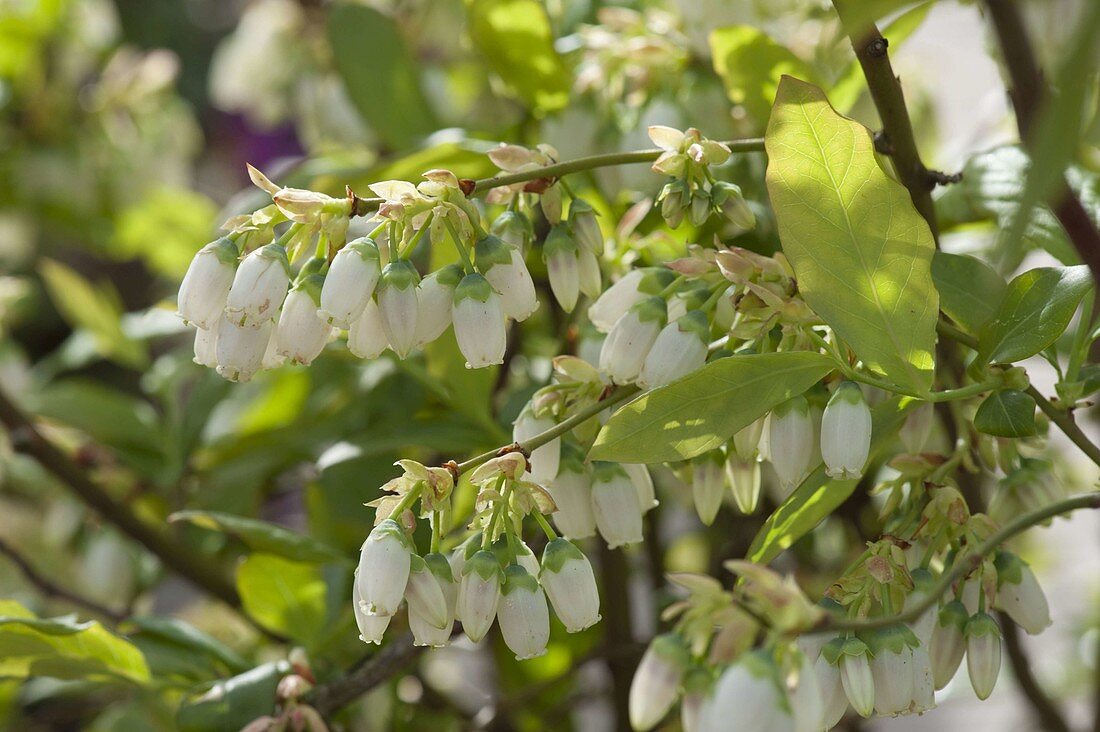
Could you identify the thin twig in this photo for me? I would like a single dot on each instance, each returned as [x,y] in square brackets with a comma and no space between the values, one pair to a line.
[51,589]
[334,695]
[1046,711]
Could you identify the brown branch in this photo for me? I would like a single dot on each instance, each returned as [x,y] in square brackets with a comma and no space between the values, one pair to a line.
[395,656]
[1046,712]
[205,574]
[51,589]
[1029,93]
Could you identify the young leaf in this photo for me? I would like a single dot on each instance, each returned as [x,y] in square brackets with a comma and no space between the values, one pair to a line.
[751,64]
[1006,413]
[284,596]
[261,536]
[819,496]
[231,704]
[861,252]
[970,290]
[1036,310]
[701,411]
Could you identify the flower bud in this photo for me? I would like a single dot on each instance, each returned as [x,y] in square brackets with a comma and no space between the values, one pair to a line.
[367,336]
[1019,595]
[852,657]
[302,334]
[983,653]
[582,219]
[550,201]
[560,253]
[522,614]
[643,481]
[350,282]
[708,484]
[892,668]
[567,577]
[790,441]
[479,322]
[749,695]
[680,349]
[384,564]
[629,342]
[728,199]
[506,271]
[615,505]
[673,198]
[205,287]
[424,634]
[700,208]
[656,683]
[435,300]
[240,349]
[571,490]
[948,644]
[846,432]
[206,346]
[424,595]
[590,277]
[746,440]
[545,458]
[371,627]
[398,305]
[917,427]
[626,293]
[259,287]
[478,594]
[744,481]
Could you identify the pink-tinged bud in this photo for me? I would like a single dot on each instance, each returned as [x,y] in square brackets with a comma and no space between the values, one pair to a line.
[259,287]
[384,564]
[567,577]
[983,653]
[615,505]
[656,683]
[479,322]
[367,336]
[206,285]
[479,593]
[350,282]
[522,614]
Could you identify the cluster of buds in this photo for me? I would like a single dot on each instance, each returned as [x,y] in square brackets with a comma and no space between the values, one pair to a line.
[693,193]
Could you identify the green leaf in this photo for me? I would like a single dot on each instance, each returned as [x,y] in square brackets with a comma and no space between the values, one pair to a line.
[517,43]
[261,536]
[379,73]
[1006,413]
[231,704]
[750,64]
[97,309]
[1036,310]
[64,648]
[819,495]
[162,227]
[970,290]
[186,638]
[860,251]
[284,596]
[701,411]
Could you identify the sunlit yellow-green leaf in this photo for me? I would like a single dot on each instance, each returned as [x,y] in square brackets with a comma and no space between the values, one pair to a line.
[285,596]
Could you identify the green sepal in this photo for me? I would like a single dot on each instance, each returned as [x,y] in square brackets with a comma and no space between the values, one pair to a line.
[557,553]
[655,280]
[696,323]
[893,638]
[580,206]
[225,249]
[518,578]
[1010,568]
[439,567]
[474,287]
[981,624]
[672,649]
[365,247]
[923,579]
[484,564]
[605,472]
[572,457]
[311,284]
[417,564]
[400,274]
[953,613]
[490,251]
[391,529]
[449,276]
[559,241]
[698,680]
[517,219]
[848,392]
[651,310]
[723,190]
[276,252]
[797,404]
[694,293]
[840,646]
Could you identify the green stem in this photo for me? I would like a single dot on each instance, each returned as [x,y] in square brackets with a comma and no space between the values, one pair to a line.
[411,245]
[407,500]
[466,263]
[963,565]
[966,391]
[546,527]
[437,530]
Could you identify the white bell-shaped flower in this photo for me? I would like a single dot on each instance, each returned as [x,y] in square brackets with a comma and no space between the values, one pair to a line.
[424,595]
[371,627]
[478,594]
[590,278]
[1019,595]
[747,439]
[922,627]
[349,284]
[384,564]
[805,698]
[435,300]
[506,271]
[643,481]
[634,287]
[545,458]
[480,326]
[206,346]
[791,441]
[424,633]
[744,481]
[571,490]
[240,349]
[846,432]
[917,428]
[586,227]
[205,287]
[834,702]
[851,656]
[615,505]
[893,669]
[749,695]
[367,335]
[630,340]
[656,683]
[948,642]
[560,253]
[522,614]
[399,306]
[708,484]
[302,333]
[567,577]
[680,349]
[696,688]
[259,286]
[983,653]
[924,688]
[272,358]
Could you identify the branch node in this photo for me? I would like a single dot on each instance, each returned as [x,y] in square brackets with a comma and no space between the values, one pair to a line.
[452,468]
[467,186]
[877,47]
[514,447]
[883,145]
[939,178]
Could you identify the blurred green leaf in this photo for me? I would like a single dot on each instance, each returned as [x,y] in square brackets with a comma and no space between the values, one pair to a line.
[379,73]
[284,596]
[860,251]
[261,536]
[750,64]
[97,309]
[178,641]
[1036,309]
[64,648]
[701,411]
[164,228]
[970,290]
[1006,413]
[231,704]
[517,43]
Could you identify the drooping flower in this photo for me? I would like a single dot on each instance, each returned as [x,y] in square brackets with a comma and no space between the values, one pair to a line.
[479,322]
[504,268]
[560,253]
[259,287]
[435,301]
[983,653]
[424,633]
[615,505]
[424,595]
[398,305]
[643,482]
[727,198]
[630,340]
[567,577]
[846,432]
[349,284]
[522,614]
[680,349]
[479,593]
[708,484]
[750,692]
[367,335]
[514,229]
[656,683]
[384,564]
[545,458]
[301,334]
[790,441]
[205,287]
[852,657]
[744,481]
[571,490]
[893,669]
[239,350]
[634,287]
[371,627]
[206,345]
[1019,595]
[948,642]
[586,227]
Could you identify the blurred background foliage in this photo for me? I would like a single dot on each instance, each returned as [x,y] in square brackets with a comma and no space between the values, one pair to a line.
[124,128]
